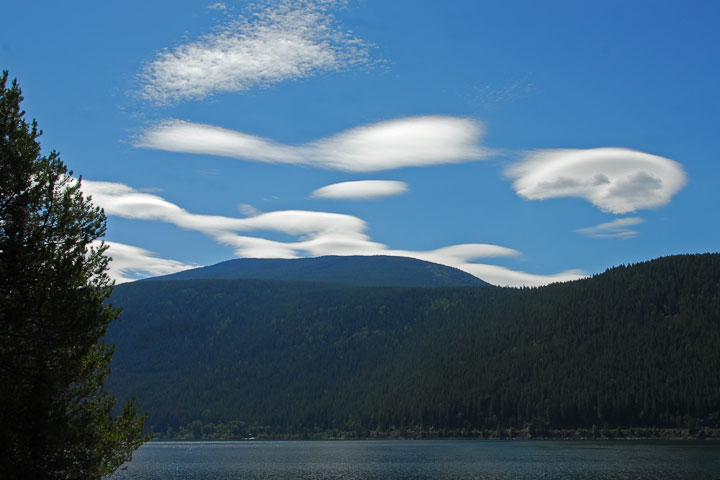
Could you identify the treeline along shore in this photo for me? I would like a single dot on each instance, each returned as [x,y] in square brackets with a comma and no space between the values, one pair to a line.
[239,431]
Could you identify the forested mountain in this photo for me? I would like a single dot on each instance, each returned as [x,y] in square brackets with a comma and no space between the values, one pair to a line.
[635,346]
[378,270]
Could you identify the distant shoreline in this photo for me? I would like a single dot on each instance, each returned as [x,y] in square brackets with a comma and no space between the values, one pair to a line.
[629,434]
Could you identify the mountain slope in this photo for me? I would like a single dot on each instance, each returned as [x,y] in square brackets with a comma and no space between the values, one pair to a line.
[377,270]
[635,346]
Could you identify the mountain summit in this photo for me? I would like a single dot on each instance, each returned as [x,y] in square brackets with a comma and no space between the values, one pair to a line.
[380,270]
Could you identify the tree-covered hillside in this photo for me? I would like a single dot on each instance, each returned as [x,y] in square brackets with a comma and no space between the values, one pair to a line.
[636,346]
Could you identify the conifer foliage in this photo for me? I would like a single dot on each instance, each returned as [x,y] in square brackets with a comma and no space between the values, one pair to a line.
[55,416]
[636,347]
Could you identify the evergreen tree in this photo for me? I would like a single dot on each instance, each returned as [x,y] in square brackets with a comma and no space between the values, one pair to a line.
[55,416]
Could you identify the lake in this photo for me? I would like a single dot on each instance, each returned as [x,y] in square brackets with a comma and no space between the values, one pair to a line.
[394,460]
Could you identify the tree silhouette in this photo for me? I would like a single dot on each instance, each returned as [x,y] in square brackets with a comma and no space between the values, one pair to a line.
[55,416]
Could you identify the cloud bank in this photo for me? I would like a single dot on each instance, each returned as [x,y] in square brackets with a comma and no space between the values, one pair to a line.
[361,190]
[318,233]
[618,228]
[280,41]
[405,142]
[616,180]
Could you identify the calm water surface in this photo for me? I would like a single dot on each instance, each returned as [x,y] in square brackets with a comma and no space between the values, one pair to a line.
[393,460]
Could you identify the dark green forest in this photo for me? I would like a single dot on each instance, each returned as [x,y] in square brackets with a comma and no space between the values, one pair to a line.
[636,346]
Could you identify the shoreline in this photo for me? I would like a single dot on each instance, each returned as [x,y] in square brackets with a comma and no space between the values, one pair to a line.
[619,435]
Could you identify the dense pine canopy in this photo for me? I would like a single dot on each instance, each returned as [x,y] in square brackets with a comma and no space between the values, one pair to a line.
[635,346]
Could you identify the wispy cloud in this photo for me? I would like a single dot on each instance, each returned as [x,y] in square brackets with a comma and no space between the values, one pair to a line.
[248,210]
[361,190]
[618,228]
[278,41]
[615,180]
[318,233]
[131,263]
[391,144]
[491,96]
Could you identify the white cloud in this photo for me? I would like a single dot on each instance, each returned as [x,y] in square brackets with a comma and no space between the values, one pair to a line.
[123,201]
[504,277]
[301,222]
[391,144]
[255,247]
[462,254]
[318,233]
[131,263]
[618,228]
[404,142]
[361,190]
[615,180]
[279,41]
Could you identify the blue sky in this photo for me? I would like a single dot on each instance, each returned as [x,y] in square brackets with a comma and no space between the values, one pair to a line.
[524,142]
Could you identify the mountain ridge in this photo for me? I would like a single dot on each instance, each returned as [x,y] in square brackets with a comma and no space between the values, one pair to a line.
[359,270]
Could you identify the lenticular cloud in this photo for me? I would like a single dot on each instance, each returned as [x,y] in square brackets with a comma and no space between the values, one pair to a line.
[616,180]
[288,41]
[361,190]
[391,144]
